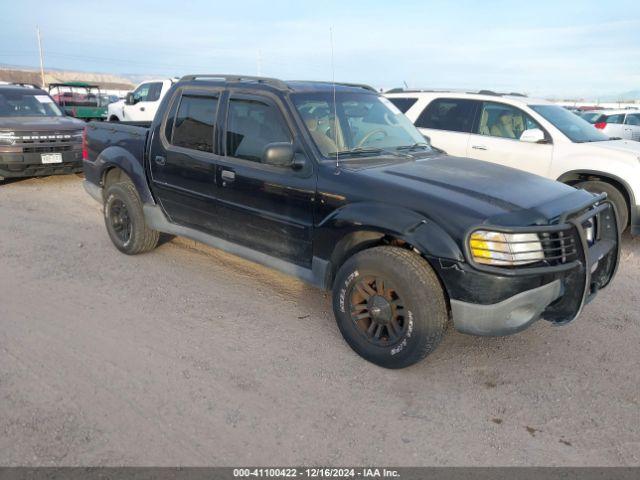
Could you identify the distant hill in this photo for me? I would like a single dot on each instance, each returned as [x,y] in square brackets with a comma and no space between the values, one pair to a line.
[27,75]
[622,97]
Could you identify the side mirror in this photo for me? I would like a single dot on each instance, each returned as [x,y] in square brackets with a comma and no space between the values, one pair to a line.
[279,154]
[129,100]
[533,135]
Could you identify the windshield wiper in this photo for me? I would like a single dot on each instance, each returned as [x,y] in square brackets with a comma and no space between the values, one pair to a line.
[615,138]
[414,146]
[357,150]
[367,151]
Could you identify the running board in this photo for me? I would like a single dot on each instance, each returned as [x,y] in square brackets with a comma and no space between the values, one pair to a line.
[316,276]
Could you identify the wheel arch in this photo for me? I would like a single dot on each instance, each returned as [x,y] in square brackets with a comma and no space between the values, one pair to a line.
[385,225]
[576,176]
[115,162]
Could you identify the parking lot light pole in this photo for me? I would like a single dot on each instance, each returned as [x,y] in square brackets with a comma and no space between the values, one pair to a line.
[41,60]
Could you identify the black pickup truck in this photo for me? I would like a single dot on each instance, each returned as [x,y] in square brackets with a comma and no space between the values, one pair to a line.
[332,184]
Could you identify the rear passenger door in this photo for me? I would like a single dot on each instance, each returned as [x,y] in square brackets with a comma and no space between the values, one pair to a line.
[496,139]
[448,122]
[184,159]
[264,207]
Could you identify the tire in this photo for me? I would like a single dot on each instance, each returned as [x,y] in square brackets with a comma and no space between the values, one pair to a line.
[125,221]
[613,194]
[414,317]
[113,118]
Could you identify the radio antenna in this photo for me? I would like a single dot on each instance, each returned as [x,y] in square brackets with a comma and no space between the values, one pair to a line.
[335,108]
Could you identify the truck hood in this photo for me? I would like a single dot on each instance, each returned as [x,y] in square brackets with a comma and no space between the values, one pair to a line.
[478,192]
[40,124]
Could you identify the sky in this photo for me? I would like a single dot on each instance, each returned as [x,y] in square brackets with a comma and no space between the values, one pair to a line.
[558,49]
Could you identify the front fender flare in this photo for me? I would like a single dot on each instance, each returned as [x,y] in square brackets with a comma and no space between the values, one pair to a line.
[365,223]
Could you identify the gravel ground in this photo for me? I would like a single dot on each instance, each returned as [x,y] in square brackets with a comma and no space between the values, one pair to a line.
[189,356]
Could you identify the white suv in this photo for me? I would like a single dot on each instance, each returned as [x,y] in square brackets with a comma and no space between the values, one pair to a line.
[533,135]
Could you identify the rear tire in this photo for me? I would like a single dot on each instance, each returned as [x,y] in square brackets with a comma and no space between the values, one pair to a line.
[124,220]
[390,306]
[614,195]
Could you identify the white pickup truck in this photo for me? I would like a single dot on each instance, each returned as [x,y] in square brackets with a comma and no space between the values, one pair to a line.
[142,104]
[532,135]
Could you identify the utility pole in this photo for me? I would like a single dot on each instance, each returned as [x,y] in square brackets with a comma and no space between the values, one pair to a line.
[41,60]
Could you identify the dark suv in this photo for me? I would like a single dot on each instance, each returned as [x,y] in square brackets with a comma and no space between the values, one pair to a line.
[332,184]
[36,137]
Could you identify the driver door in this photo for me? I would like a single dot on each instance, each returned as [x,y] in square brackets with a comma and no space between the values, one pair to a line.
[144,96]
[496,139]
[263,207]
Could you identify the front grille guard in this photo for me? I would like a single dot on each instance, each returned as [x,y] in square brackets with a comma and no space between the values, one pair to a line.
[569,222]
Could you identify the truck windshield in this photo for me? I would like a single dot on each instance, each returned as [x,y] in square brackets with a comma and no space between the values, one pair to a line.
[364,123]
[27,104]
[575,128]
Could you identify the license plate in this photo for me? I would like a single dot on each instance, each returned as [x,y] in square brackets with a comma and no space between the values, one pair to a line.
[51,157]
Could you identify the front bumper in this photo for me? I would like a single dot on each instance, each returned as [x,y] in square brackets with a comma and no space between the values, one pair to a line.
[509,316]
[498,301]
[30,164]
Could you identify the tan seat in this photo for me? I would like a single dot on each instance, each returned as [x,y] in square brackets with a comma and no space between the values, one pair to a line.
[503,127]
[324,143]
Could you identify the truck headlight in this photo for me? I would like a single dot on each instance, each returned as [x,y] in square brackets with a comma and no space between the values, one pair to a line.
[7,138]
[505,249]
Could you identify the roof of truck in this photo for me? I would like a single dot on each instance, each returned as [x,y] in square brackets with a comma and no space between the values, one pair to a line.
[290,85]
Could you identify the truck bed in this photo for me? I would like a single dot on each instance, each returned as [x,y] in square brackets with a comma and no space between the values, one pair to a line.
[131,136]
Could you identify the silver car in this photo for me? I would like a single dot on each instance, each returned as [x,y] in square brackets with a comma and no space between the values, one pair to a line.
[616,123]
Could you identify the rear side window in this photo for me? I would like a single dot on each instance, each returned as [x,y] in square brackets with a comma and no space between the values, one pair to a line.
[403,104]
[193,126]
[617,119]
[251,126]
[453,114]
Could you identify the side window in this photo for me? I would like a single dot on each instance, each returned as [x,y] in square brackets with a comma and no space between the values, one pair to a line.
[403,104]
[193,126]
[140,94]
[455,115]
[154,92]
[617,119]
[633,119]
[251,126]
[505,121]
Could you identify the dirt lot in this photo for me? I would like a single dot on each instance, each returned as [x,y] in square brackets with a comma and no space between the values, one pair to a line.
[189,356]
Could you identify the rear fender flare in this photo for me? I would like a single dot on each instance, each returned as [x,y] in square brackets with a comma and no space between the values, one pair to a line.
[118,157]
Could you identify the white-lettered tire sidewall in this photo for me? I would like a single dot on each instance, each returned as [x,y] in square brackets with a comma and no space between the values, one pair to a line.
[416,336]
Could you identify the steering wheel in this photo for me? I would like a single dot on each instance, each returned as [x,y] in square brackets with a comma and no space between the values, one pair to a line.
[371,134]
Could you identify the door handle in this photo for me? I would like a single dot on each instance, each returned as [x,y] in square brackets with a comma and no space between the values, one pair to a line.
[228,176]
[478,147]
[160,160]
